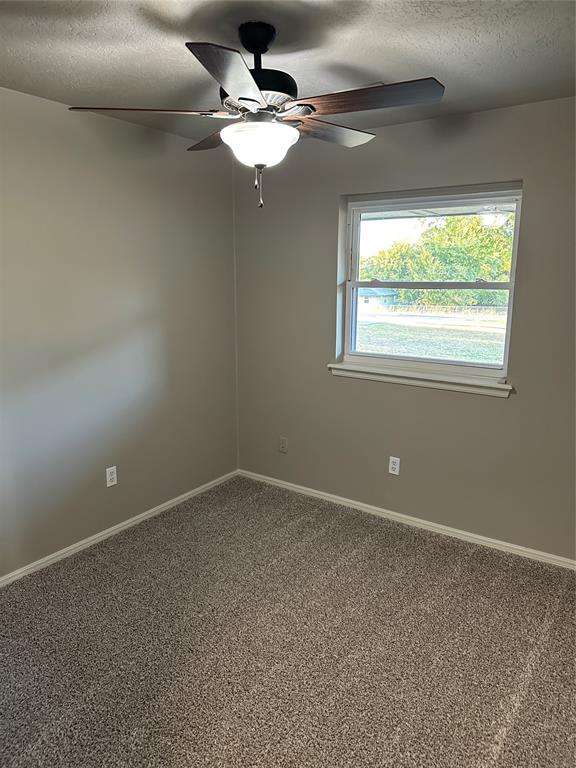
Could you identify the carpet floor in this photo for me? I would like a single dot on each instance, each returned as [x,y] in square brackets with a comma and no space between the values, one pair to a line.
[252,626]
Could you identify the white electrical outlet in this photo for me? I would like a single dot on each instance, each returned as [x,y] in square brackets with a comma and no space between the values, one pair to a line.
[394,465]
[111,476]
[283,445]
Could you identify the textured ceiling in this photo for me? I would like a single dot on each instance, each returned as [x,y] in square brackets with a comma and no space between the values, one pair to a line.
[488,54]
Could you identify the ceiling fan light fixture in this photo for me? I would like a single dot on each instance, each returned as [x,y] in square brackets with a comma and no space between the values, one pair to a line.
[259,143]
[266,105]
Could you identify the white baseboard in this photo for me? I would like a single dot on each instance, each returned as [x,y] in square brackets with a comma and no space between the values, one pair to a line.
[91,540]
[474,538]
[503,546]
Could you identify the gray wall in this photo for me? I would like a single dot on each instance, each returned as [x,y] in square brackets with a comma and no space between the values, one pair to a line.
[117,329]
[500,468]
[117,323]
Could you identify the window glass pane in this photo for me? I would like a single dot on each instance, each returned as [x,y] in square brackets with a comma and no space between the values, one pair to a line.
[434,246]
[462,325]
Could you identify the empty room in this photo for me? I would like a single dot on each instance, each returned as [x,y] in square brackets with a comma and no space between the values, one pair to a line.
[287,384]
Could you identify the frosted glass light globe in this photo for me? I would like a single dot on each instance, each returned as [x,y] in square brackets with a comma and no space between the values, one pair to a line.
[259,143]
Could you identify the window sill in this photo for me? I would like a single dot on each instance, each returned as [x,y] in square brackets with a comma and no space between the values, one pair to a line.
[474,385]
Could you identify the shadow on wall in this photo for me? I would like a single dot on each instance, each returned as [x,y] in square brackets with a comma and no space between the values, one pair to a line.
[68,413]
[134,396]
[130,386]
[58,424]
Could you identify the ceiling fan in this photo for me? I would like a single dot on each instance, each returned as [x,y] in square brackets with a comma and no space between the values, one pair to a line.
[267,116]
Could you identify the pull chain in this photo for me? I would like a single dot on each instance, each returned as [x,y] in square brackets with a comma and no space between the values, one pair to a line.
[259,184]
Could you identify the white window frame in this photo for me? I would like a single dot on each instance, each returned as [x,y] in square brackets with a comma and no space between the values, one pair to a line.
[443,374]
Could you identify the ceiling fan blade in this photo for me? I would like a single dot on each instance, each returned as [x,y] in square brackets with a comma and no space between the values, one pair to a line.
[338,134]
[198,112]
[228,68]
[210,142]
[424,91]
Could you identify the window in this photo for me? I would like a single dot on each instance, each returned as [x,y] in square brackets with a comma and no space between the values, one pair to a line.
[429,290]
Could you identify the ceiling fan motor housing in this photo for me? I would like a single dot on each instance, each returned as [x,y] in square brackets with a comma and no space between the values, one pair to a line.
[276,86]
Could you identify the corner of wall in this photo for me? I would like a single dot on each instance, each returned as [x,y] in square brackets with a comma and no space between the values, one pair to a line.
[235,279]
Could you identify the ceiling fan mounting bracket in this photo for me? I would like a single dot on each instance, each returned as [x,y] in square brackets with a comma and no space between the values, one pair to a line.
[256,36]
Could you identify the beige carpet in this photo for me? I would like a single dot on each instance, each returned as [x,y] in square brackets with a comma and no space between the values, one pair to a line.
[255,627]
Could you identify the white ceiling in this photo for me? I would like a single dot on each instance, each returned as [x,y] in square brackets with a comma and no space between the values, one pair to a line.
[488,54]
